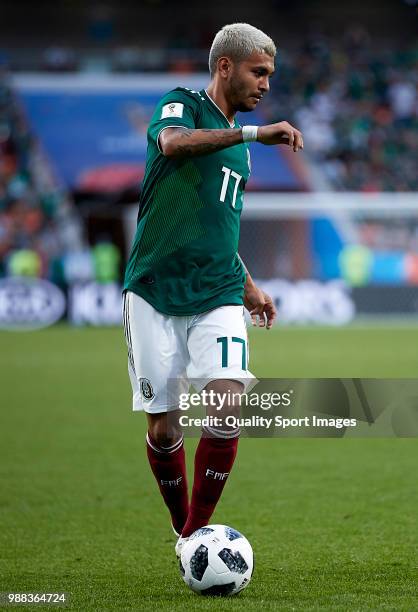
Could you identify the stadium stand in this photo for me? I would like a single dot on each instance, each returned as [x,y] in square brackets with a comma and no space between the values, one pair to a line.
[38,223]
[348,78]
[357,105]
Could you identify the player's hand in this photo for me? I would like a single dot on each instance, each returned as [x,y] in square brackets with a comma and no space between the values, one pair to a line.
[260,306]
[280,133]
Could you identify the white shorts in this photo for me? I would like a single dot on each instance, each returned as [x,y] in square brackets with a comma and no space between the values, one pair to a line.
[168,353]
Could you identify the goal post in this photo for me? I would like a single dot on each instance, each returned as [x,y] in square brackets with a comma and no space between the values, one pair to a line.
[332,257]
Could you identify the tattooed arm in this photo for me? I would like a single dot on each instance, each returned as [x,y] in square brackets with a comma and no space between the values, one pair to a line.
[184,142]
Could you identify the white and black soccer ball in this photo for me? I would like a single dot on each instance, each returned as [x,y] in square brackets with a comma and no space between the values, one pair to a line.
[217,560]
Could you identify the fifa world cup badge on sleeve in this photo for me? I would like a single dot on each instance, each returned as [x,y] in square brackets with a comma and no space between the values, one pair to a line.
[174,109]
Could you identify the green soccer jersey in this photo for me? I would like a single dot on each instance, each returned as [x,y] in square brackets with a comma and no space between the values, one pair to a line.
[184,259]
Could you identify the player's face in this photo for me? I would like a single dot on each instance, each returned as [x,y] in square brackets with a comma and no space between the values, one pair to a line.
[249,81]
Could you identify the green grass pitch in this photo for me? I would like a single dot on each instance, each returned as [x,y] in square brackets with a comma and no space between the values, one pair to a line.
[333,523]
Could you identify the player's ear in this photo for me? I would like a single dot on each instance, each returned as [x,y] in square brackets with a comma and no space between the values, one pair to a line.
[224,66]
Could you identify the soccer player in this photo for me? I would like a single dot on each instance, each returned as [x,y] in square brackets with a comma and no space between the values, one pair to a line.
[185,285]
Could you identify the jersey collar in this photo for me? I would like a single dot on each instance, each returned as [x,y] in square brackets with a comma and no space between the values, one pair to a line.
[217,107]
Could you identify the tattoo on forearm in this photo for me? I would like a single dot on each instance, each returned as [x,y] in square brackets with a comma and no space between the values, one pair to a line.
[220,139]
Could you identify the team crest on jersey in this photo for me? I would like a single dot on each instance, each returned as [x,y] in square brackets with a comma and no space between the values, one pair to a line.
[146,389]
[174,109]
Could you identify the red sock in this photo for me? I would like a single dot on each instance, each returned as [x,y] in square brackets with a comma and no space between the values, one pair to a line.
[169,468]
[213,461]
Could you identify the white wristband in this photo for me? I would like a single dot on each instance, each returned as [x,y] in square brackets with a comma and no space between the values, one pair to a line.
[249,133]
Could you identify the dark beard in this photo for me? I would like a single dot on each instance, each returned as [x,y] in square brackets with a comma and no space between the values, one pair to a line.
[243,109]
[237,93]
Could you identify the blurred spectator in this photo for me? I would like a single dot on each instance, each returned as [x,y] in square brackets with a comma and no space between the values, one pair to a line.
[78,266]
[25,263]
[127,59]
[402,95]
[106,259]
[37,222]
[100,23]
[59,59]
[357,104]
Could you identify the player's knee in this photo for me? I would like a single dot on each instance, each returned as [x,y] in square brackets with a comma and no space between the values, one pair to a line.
[163,433]
[162,438]
[225,398]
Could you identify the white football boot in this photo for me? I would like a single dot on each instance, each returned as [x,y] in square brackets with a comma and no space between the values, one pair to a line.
[181,543]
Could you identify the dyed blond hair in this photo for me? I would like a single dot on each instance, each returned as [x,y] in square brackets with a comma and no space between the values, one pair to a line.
[237,41]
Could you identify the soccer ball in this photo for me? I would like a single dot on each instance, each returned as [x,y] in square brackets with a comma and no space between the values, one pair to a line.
[217,560]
